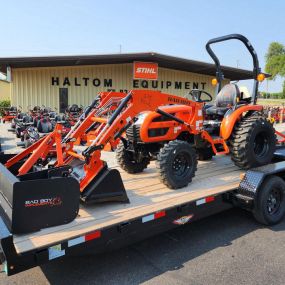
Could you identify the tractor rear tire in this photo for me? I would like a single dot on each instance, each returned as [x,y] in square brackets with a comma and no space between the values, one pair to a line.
[205,153]
[176,164]
[253,142]
[128,162]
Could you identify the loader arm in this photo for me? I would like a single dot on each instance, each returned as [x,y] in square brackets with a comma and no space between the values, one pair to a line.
[124,109]
[132,105]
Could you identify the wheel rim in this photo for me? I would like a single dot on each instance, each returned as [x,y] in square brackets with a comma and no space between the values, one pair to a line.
[261,144]
[182,164]
[274,201]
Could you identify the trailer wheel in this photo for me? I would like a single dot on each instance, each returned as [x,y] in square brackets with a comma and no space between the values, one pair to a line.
[253,142]
[269,208]
[128,161]
[177,164]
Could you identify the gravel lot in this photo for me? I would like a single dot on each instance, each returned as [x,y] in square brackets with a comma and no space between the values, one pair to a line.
[228,248]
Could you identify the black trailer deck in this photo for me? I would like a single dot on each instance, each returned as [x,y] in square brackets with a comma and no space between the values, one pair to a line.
[153,208]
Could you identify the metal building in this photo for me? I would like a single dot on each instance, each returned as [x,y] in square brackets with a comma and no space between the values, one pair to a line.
[58,81]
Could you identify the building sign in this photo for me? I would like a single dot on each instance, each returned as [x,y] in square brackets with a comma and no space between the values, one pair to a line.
[107,83]
[136,84]
[145,70]
[84,81]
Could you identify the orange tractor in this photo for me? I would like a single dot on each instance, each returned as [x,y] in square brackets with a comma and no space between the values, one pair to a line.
[175,134]
[165,127]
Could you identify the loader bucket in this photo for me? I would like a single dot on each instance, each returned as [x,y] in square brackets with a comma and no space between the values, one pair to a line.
[37,200]
[107,186]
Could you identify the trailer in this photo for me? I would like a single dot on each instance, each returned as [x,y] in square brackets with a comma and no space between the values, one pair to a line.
[153,209]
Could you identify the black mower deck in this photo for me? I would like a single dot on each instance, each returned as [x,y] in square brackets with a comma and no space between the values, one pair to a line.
[147,196]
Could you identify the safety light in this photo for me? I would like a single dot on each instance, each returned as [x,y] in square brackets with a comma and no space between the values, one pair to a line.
[214,81]
[260,77]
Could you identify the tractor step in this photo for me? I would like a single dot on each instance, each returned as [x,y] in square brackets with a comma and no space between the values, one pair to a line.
[218,141]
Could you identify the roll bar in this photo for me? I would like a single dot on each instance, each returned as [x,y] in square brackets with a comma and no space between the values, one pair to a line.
[219,73]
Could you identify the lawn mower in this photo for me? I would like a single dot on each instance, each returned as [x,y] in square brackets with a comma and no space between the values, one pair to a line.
[45,125]
[73,113]
[166,127]
[9,114]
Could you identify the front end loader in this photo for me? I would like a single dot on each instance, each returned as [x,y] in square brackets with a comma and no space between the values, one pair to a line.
[43,185]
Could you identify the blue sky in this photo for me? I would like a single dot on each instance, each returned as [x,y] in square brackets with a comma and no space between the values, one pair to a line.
[180,28]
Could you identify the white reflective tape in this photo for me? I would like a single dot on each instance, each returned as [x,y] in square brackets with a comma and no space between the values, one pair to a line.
[75,241]
[200,202]
[148,218]
[55,252]
[199,113]
[128,119]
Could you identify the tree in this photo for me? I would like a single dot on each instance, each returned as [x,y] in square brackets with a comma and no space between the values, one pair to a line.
[275,61]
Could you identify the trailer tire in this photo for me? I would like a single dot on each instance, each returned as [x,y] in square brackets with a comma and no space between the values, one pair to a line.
[205,153]
[269,204]
[176,164]
[127,161]
[253,142]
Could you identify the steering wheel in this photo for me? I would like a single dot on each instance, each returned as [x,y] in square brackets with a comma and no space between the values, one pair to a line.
[196,95]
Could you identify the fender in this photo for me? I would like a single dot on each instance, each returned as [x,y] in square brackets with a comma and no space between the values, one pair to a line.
[229,121]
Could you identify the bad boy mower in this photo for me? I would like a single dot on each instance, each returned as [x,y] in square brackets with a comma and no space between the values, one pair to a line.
[158,125]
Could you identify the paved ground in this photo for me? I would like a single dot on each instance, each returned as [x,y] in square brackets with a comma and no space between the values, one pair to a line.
[228,248]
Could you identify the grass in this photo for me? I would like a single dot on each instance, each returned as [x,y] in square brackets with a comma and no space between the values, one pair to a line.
[271,102]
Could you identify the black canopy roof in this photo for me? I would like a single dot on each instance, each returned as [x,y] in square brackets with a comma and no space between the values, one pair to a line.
[163,60]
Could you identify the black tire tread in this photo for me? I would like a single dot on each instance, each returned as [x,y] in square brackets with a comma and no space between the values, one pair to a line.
[162,163]
[259,212]
[127,165]
[239,141]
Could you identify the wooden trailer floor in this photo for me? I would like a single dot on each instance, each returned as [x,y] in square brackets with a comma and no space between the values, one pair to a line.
[146,195]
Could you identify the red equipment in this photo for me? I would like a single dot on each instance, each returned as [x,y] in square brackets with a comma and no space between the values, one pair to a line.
[9,114]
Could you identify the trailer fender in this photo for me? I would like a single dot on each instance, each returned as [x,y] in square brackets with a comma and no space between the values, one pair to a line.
[230,120]
[253,178]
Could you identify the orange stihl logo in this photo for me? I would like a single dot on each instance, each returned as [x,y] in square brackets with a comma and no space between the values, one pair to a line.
[145,70]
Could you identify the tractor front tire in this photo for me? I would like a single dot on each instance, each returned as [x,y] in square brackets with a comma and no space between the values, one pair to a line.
[128,162]
[253,142]
[176,164]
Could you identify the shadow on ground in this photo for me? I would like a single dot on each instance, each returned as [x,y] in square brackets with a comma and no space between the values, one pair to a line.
[150,258]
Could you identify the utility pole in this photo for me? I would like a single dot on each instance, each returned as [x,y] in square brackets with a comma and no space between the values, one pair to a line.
[237,63]
[120,48]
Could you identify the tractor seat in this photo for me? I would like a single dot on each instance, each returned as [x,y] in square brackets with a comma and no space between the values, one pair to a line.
[226,98]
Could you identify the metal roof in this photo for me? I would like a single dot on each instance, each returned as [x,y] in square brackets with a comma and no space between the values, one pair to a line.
[163,60]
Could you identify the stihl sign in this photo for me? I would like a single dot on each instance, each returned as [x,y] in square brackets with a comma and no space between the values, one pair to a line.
[145,70]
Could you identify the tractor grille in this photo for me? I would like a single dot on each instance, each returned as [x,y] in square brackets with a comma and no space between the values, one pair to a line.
[133,133]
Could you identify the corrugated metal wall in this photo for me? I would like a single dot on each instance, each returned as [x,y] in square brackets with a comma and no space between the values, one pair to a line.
[5,90]
[33,86]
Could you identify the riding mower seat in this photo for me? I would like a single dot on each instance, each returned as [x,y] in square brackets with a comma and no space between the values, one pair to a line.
[27,120]
[228,97]
[44,126]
